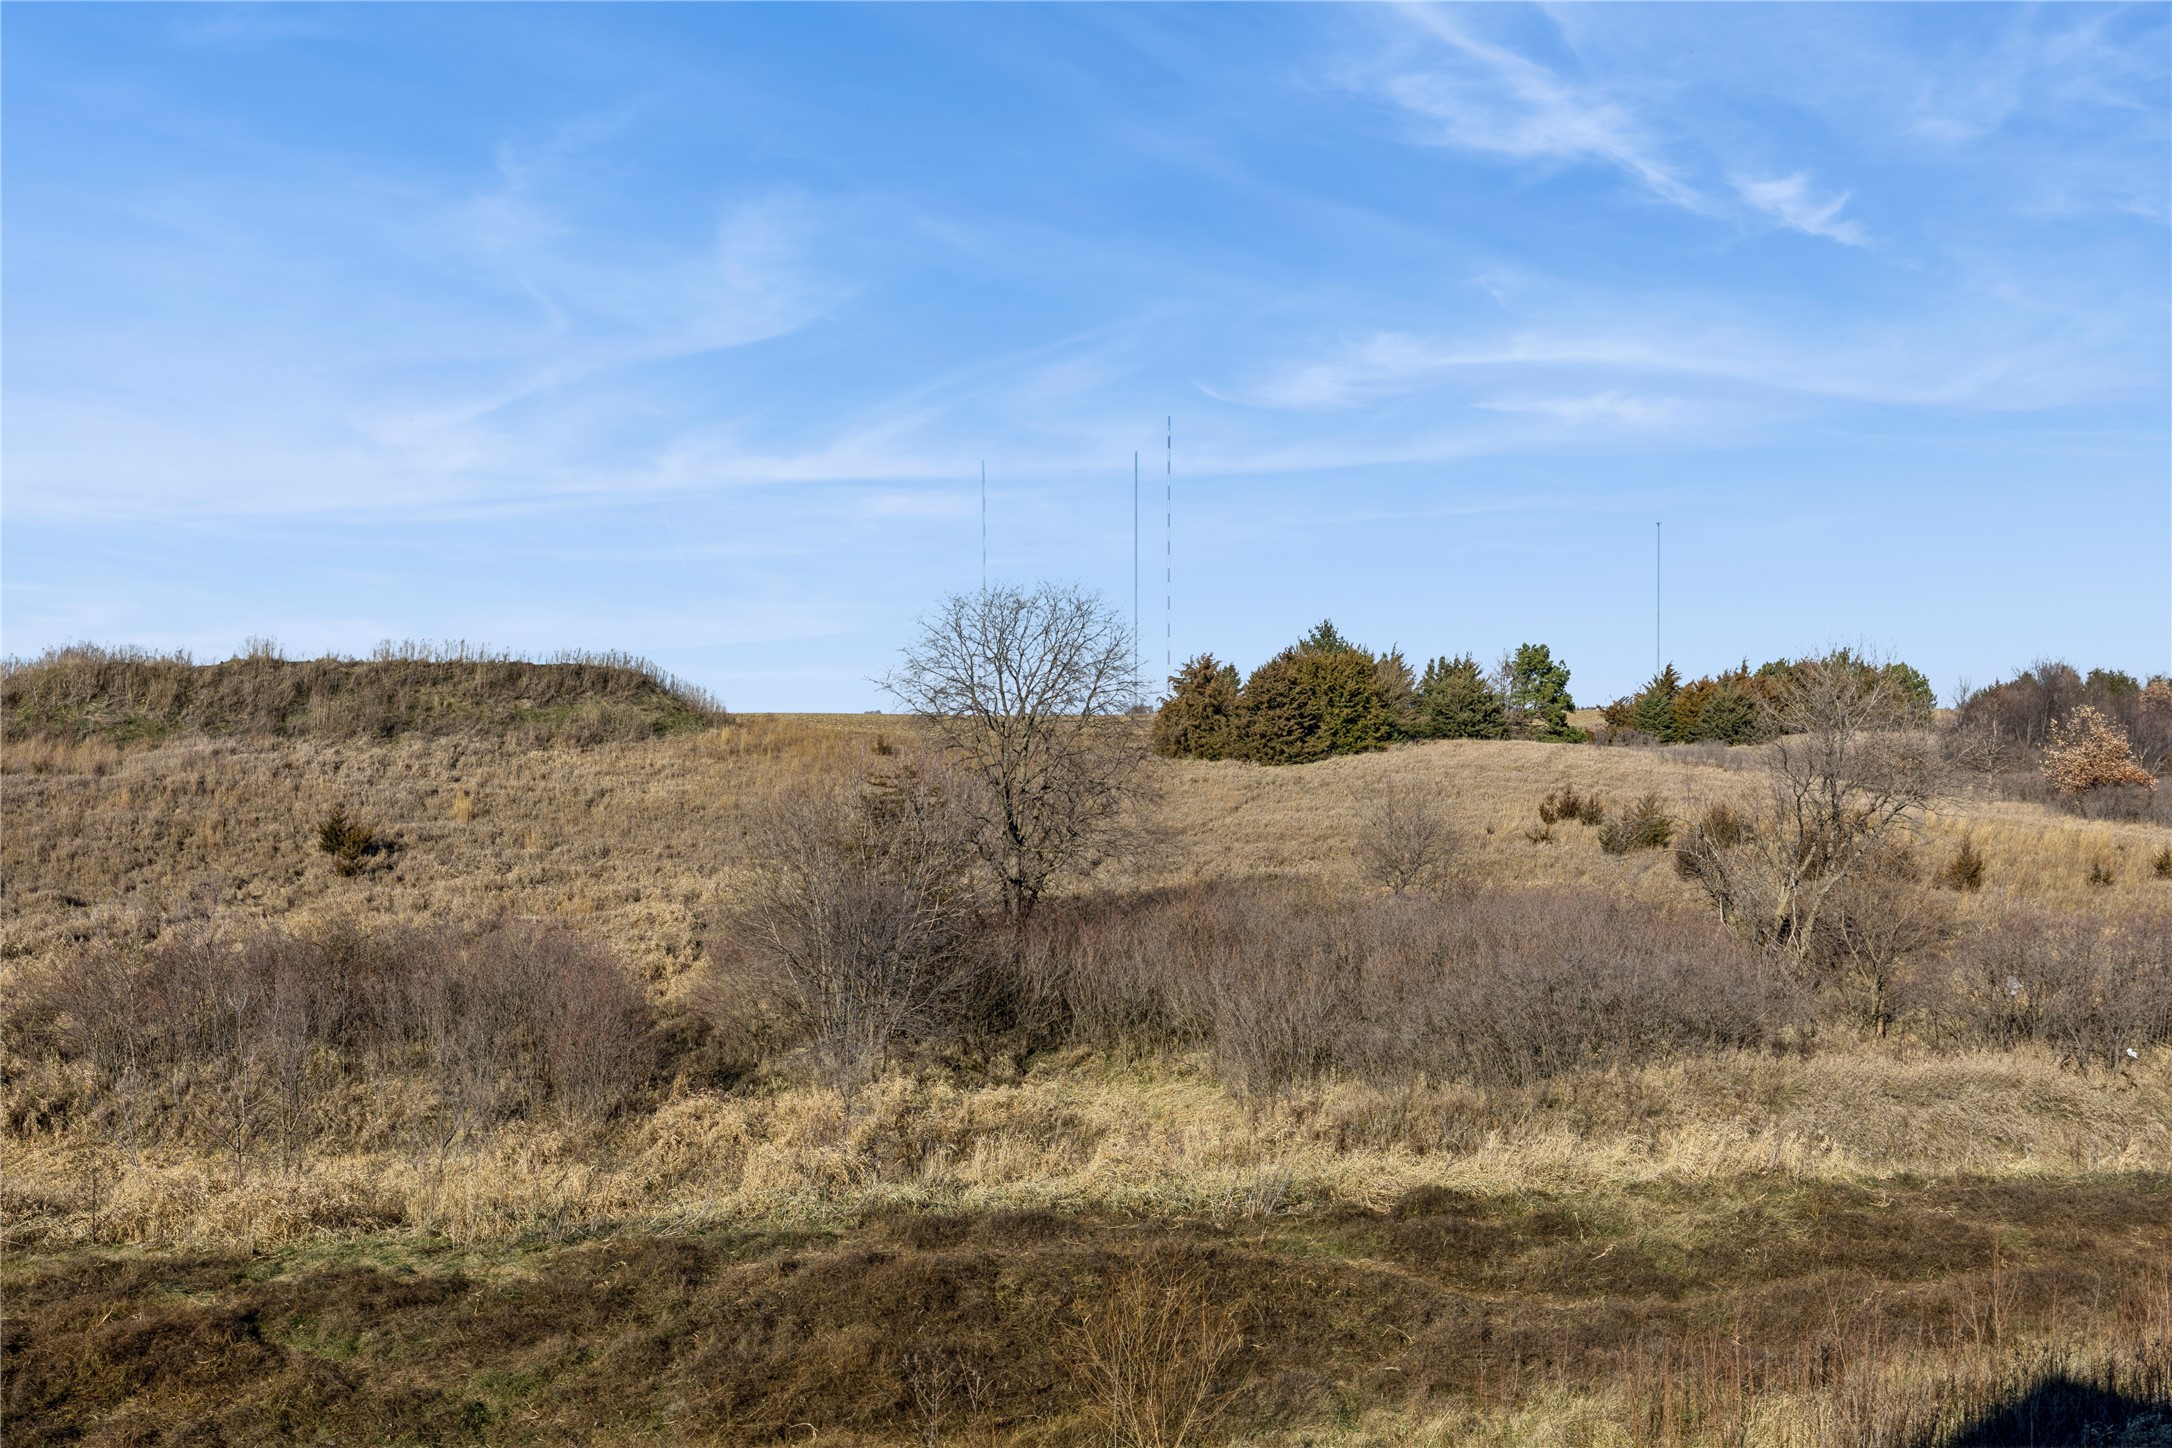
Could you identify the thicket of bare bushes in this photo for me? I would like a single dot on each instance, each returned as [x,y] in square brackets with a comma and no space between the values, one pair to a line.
[862,931]
[1283,982]
[1405,840]
[127,694]
[250,1043]
[2092,990]
[1849,774]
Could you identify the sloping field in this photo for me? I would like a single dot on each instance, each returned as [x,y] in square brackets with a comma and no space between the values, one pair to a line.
[1823,1236]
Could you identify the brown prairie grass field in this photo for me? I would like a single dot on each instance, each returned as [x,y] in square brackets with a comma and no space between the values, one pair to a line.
[1830,1238]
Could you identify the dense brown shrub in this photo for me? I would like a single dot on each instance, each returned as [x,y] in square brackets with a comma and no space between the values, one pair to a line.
[1567,804]
[2087,751]
[1508,987]
[349,842]
[242,1040]
[860,927]
[129,694]
[1644,825]
[1965,871]
[2092,989]
[1875,926]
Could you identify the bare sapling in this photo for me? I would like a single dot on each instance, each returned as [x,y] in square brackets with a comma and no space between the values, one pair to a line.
[1404,841]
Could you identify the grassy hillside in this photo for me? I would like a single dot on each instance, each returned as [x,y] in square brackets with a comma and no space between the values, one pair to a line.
[1545,1158]
[121,696]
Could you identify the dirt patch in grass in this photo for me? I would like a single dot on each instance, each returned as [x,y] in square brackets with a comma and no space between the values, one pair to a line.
[912,1325]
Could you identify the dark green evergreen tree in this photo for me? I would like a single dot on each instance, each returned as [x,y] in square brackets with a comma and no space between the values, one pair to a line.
[1325,638]
[1199,718]
[1455,701]
[1309,702]
[1539,703]
[1652,715]
[1398,692]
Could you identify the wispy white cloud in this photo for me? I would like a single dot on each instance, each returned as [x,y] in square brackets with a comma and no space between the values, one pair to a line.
[1495,101]
[2034,355]
[1788,200]
[1596,407]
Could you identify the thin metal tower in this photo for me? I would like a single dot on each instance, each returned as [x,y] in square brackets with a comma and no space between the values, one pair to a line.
[1135,659]
[1658,667]
[983,525]
[1168,549]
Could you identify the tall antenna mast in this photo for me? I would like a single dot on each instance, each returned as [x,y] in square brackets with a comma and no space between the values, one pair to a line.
[1135,570]
[1168,549]
[1658,667]
[983,525]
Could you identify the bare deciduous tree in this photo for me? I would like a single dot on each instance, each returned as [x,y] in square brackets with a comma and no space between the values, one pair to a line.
[1404,840]
[1851,771]
[1026,693]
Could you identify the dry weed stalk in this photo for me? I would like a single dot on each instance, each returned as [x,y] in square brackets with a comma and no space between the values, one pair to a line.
[1151,1349]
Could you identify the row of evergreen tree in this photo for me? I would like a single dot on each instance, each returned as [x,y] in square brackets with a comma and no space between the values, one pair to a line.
[1325,695]
[1735,707]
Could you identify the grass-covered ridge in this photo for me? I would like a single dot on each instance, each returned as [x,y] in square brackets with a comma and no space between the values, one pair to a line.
[125,695]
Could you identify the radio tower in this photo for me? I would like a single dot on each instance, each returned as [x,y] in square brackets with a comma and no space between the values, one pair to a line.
[1659,664]
[1168,549]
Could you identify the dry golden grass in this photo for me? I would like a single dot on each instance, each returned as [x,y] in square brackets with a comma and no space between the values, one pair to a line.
[1160,1138]
[644,842]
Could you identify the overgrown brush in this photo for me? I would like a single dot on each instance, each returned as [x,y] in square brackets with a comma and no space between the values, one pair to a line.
[258,1042]
[860,932]
[2092,990]
[1285,983]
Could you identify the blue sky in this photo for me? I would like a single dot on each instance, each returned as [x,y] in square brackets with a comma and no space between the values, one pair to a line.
[685,330]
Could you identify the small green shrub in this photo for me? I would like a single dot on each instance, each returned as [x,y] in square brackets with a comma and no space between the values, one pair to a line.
[347,841]
[1644,825]
[1964,871]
